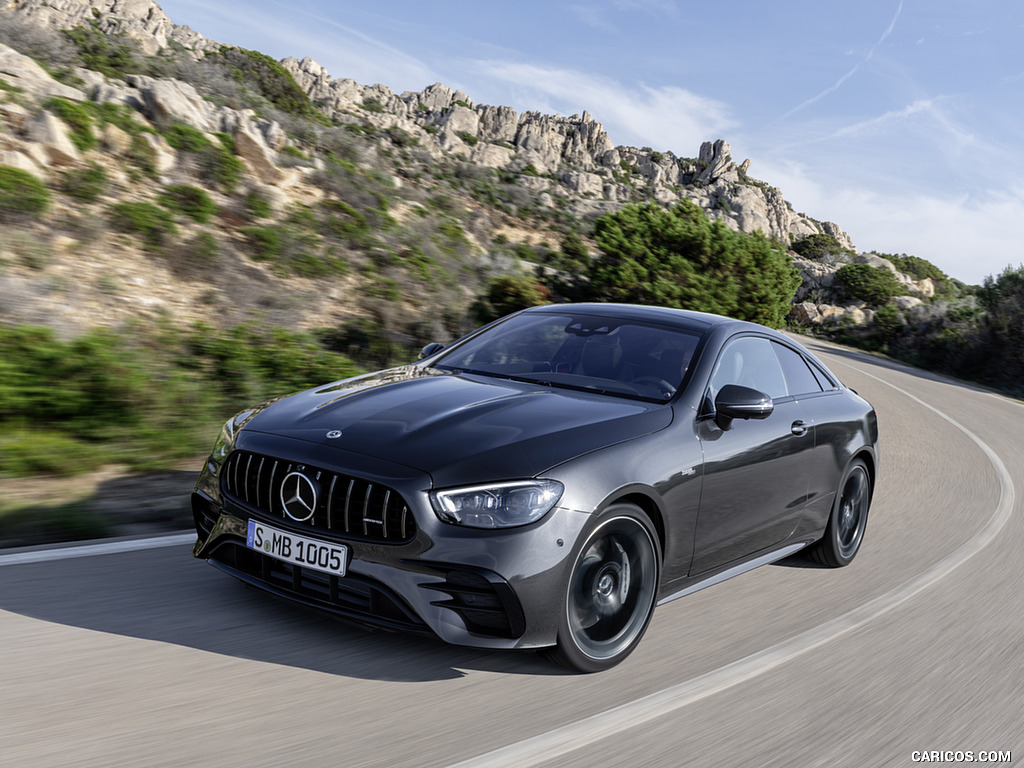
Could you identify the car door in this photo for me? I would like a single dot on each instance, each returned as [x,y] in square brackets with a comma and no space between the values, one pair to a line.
[755,471]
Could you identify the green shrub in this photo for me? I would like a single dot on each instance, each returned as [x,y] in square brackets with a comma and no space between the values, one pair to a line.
[256,205]
[78,117]
[265,243]
[863,282]
[21,194]
[468,138]
[268,78]
[154,224]
[189,201]
[111,55]
[117,114]
[507,294]
[342,221]
[817,247]
[186,138]
[915,266]
[48,452]
[221,167]
[201,250]
[85,183]
[142,155]
[678,257]
[146,397]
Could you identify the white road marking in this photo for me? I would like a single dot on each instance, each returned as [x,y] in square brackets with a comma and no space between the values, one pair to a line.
[100,548]
[547,746]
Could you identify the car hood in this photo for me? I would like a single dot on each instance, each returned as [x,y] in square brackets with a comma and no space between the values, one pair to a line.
[459,428]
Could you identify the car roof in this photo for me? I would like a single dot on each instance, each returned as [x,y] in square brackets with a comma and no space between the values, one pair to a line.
[685,319]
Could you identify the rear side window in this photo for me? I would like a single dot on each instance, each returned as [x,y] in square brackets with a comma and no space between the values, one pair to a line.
[800,380]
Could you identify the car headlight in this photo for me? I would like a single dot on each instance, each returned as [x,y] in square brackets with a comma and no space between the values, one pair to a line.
[499,505]
[225,442]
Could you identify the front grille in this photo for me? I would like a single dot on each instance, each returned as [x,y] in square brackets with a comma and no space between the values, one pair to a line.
[345,505]
[352,596]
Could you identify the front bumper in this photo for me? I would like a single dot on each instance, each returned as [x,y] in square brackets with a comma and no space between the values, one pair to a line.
[480,588]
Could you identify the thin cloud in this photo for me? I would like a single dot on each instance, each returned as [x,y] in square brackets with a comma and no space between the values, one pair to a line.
[593,17]
[839,83]
[666,118]
[657,7]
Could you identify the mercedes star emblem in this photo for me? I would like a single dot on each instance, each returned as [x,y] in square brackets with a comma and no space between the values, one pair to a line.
[298,496]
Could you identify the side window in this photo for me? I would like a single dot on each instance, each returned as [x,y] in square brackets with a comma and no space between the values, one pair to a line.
[750,362]
[799,378]
[827,382]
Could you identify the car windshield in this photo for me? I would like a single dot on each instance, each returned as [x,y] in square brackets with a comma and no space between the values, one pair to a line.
[614,356]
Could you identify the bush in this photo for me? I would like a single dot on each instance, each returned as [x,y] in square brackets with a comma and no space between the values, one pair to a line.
[111,55]
[154,224]
[189,201]
[678,257]
[270,79]
[507,294]
[85,184]
[186,138]
[78,117]
[145,397]
[265,243]
[142,155]
[220,166]
[863,282]
[202,249]
[256,206]
[818,247]
[21,194]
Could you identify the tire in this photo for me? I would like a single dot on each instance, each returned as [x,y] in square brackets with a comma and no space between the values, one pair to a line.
[845,530]
[610,593]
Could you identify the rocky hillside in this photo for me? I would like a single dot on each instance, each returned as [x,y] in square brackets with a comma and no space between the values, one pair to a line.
[191,181]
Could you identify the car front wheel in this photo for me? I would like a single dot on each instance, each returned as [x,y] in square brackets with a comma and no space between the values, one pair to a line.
[611,592]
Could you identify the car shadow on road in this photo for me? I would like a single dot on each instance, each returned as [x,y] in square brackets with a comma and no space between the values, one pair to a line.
[164,595]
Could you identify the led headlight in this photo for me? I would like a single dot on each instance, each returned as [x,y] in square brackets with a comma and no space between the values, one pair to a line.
[499,505]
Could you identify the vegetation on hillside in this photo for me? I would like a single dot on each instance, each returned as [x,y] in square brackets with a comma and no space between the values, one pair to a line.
[145,396]
[678,257]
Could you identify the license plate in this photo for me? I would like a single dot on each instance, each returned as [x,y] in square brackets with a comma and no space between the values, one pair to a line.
[299,550]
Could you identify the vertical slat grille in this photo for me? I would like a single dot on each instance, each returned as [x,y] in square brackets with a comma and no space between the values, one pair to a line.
[344,504]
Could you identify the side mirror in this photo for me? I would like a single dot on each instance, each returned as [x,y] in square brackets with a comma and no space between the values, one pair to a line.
[736,402]
[431,349]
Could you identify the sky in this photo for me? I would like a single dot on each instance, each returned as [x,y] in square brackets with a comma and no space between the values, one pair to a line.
[900,120]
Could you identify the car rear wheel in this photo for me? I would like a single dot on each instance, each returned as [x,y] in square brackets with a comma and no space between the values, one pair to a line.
[611,592]
[849,518]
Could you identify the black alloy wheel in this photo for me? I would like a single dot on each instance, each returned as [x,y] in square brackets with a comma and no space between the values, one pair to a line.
[611,592]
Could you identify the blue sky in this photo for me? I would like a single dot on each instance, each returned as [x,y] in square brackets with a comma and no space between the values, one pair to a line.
[900,120]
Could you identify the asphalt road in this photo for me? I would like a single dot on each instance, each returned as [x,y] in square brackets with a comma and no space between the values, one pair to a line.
[149,658]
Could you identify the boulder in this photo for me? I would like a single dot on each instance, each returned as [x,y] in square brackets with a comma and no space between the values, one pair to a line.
[805,313]
[53,136]
[905,303]
[251,148]
[21,71]
[173,101]
[585,184]
[22,162]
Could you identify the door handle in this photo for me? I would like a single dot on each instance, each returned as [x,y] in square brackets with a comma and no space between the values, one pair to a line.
[799,428]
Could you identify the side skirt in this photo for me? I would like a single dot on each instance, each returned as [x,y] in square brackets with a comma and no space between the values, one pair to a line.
[736,570]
